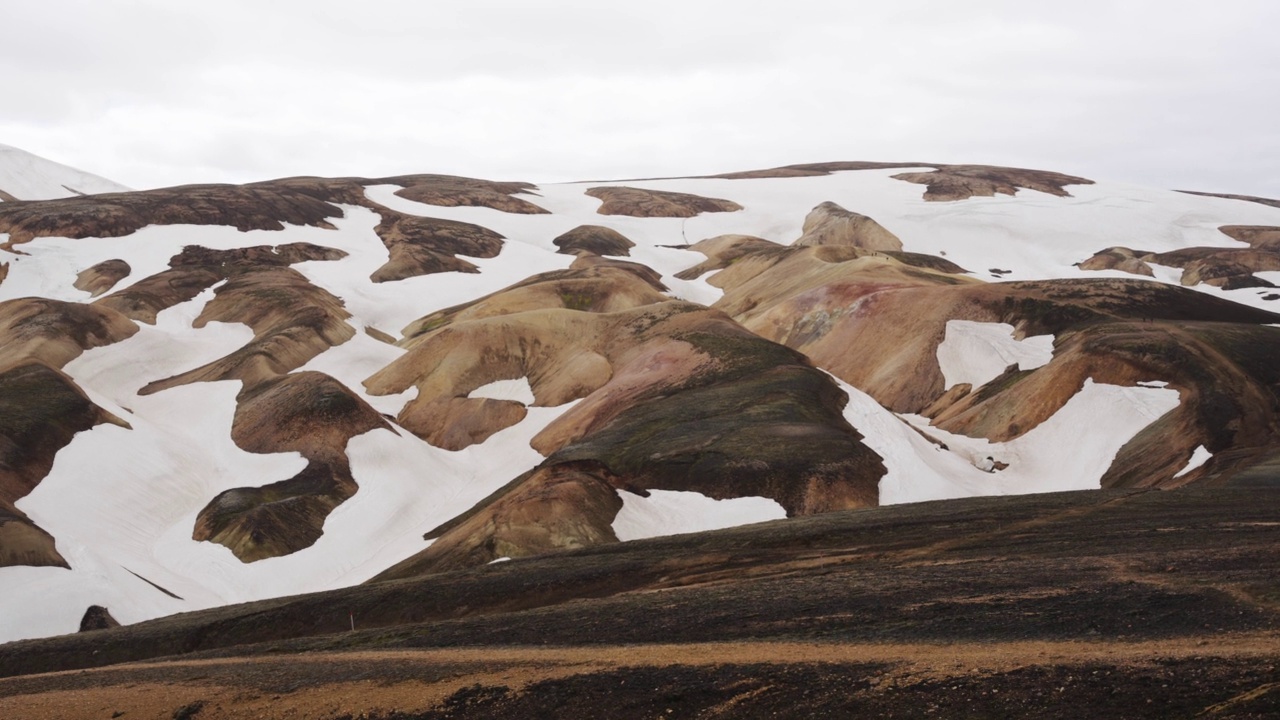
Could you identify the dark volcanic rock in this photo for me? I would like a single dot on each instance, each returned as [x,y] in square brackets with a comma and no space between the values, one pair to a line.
[309,413]
[594,239]
[97,618]
[284,517]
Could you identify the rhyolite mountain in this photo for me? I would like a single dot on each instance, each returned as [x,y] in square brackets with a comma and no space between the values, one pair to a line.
[220,393]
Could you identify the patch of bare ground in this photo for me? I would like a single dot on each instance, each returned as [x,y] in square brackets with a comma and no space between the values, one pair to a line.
[638,202]
[944,182]
[961,182]
[102,277]
[1235,678]
[594,239]
[1227,268]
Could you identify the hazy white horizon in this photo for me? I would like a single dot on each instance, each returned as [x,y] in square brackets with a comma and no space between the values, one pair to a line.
[1172,94]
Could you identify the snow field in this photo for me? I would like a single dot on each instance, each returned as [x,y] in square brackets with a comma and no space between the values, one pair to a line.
[976,353]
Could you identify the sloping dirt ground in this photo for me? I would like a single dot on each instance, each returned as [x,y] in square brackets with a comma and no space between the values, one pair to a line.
[1099,604]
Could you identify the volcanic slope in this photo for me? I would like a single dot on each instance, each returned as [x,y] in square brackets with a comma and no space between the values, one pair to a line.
[1126,604]
[493,380]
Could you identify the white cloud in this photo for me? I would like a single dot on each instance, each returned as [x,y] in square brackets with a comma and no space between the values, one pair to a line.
[1177,94]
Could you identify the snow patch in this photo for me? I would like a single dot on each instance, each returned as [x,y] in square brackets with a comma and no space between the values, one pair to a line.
[31,177]
[1198,458]
[978,352]
[1099,419]
[518,390]
[673,512]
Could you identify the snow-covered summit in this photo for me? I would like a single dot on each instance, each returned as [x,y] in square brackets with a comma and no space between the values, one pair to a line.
[24,176]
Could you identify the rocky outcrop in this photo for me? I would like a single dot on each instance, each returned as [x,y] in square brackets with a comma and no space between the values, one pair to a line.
[22,542]
[452,191]
[97,618]
[283,517]
[961,182]
[197,269]
[53,333]
[1122,259]
[1259,237]
[595,239]
[648,275]
[552,509]
[724,250]
[1227,268]
[673,396]
[638,202]
[877,324]
[422,246]
[527,330]
[830,224]
[102,277]
[309,413]
[292,320]
[1228,407]
[587,286]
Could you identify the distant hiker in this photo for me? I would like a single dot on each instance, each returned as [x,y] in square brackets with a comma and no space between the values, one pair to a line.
[987,464]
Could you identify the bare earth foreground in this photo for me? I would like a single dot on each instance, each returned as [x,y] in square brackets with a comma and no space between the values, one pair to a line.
[1095,604]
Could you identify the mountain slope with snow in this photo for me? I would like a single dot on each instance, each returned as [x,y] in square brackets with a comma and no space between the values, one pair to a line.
[310,383]
[24,176]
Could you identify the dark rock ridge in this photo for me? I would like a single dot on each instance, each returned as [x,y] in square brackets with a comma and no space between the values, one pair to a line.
[945,182]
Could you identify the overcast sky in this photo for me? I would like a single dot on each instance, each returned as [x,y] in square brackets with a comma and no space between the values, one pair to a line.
[1171,93]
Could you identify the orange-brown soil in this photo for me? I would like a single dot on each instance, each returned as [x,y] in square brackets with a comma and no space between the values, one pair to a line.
[1103,604]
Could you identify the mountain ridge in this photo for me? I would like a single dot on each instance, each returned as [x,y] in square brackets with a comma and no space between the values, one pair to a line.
[667,392]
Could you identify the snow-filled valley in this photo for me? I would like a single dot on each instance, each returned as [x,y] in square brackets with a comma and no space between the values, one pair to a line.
[121,502]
